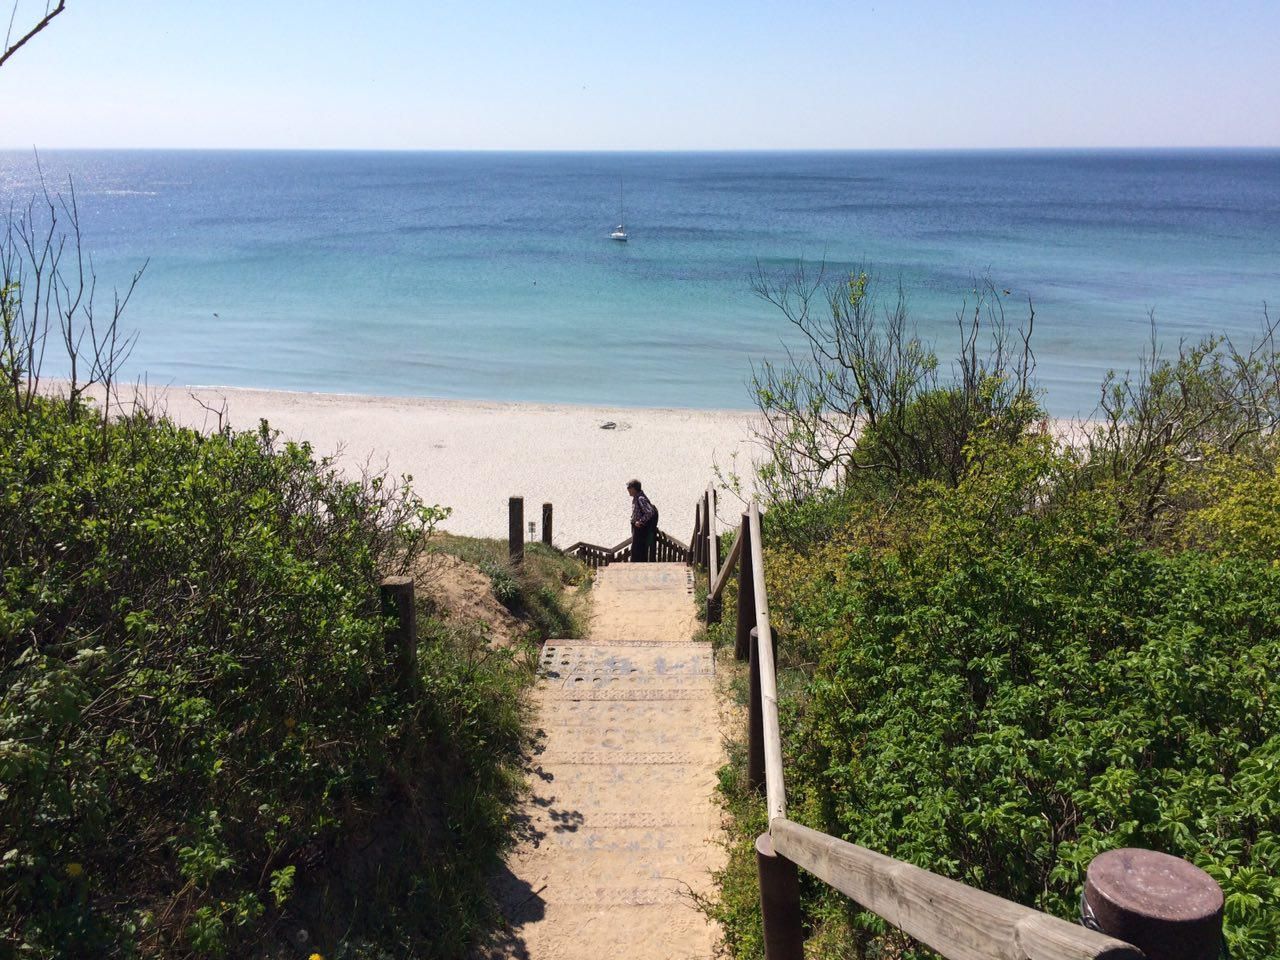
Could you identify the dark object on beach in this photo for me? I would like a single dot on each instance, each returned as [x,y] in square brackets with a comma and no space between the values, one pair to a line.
[608,425]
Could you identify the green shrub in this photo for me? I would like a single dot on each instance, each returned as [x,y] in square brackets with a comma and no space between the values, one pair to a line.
[1001,682]
[201,751]
[1001,657]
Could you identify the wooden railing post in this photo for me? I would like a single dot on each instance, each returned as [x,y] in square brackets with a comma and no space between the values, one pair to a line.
[706,532]
[779,903]
[755,715]
[713,557]
[515,529]
[546,524]
[697,534]
[402,639]
[1163,905]
[715,525]
[746,596]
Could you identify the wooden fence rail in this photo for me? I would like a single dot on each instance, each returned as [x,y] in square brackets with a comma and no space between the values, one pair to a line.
[1165,908]
[667,549]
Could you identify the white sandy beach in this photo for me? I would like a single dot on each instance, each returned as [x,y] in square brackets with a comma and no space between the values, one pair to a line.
[472,455]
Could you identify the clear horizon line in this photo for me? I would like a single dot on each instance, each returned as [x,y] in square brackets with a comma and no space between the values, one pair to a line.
[1183,148]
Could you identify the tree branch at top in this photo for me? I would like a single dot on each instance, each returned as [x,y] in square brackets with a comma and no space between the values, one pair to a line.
[11,48]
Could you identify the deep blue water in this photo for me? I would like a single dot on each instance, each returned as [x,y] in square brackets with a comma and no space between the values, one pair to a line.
[491,276]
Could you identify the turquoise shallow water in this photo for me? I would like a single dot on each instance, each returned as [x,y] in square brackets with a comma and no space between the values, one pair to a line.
[481,275]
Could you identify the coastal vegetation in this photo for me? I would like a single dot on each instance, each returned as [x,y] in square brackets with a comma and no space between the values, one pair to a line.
[204,748]
[544,591]
[1005,650]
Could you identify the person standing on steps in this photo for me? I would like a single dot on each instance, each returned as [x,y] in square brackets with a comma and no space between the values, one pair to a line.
[644,524]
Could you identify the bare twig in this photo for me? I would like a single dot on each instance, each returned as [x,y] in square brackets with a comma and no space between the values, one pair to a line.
[10,48]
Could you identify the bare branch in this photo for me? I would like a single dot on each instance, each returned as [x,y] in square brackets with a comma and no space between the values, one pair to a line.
[857,402]
[11,48]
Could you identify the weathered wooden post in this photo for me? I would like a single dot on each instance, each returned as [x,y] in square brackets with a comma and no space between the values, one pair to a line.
[755,714]
[546,524]
[707,527]
[697,534]
[779,903]
[515,529]
[1163,905]
[746,595]
[715,608]
[715,525]
[713,558]
[402,639]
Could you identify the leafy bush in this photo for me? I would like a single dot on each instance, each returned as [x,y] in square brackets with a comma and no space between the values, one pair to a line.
[997,681]
[1231,505]
[1162,426]
[1002,655]
[201,753]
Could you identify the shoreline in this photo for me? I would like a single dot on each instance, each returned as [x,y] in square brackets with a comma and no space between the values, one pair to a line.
[541,405]
[472,455]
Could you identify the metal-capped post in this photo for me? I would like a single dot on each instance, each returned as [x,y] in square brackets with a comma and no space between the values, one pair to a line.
[1163,905]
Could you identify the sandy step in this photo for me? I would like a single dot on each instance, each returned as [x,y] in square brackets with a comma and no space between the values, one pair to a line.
[643,737]
[571,875]
[673,930]
[591,790]
[633,841]
[691,690]
[668,576]
[561,686]
[558,821]
[653,655]
[617,662]
[568,714]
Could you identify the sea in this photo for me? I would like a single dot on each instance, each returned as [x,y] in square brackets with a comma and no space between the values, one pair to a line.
[492,275]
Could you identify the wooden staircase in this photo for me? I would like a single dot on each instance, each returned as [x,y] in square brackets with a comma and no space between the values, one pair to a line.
[620,827]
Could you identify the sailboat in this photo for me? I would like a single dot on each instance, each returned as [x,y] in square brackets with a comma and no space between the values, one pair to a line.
[620,234]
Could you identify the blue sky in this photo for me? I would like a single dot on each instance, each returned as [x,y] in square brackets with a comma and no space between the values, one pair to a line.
[645,74]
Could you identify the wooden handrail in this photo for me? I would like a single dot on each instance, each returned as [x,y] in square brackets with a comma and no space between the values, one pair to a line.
[595,555]
[595,546]
[775,789]
[713,542]
[730,561]
[960,922]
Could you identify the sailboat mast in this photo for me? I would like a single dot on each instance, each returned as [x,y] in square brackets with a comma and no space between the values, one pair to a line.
[621,233]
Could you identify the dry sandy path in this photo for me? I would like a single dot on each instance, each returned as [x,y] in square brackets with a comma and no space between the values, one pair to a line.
[621,821]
